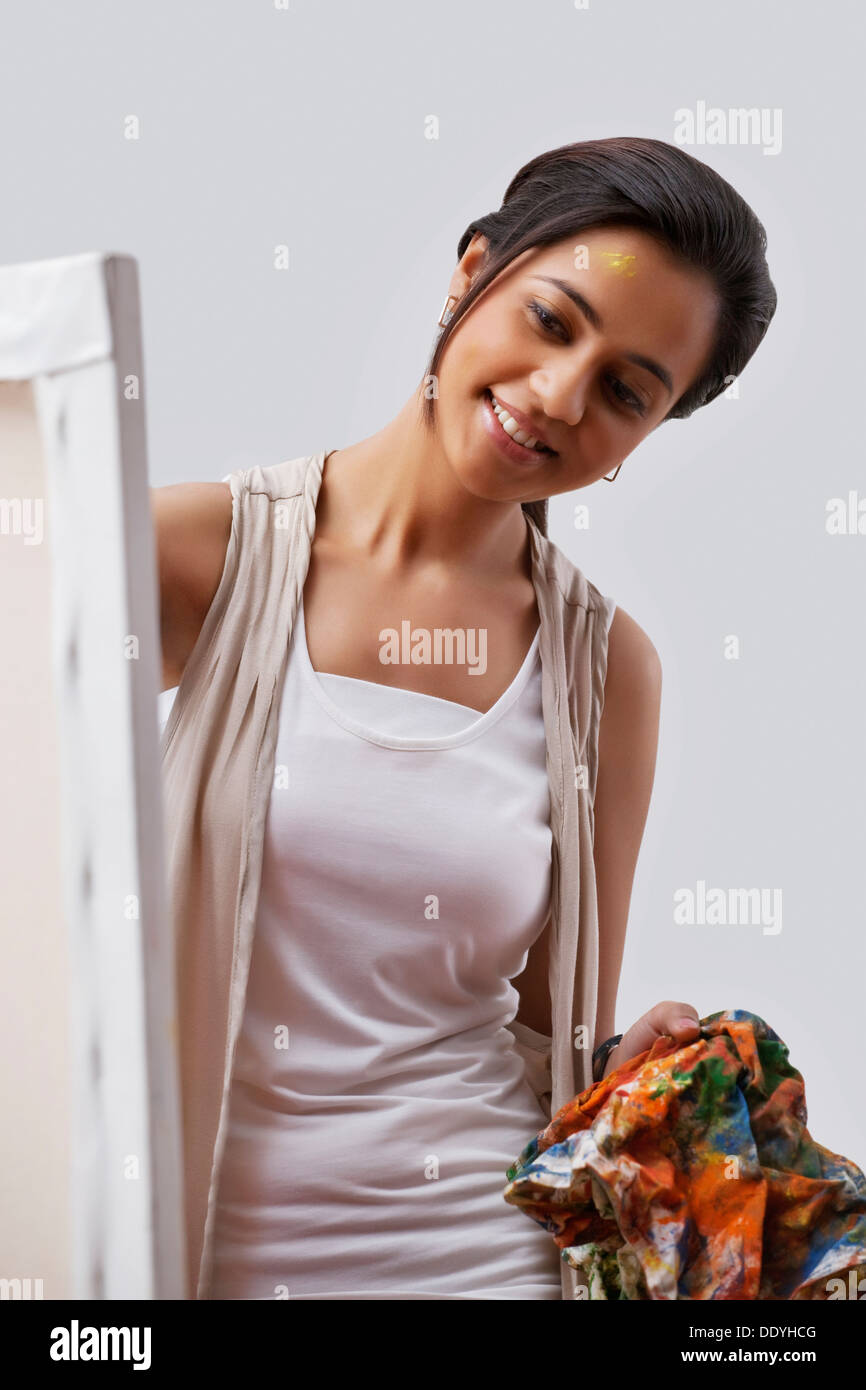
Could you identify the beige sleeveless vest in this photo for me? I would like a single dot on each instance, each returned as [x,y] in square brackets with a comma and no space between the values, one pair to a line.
[218,755]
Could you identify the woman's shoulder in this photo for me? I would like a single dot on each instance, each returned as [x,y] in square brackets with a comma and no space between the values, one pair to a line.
[630,647]
[575,588]
[633,662]
[192,524]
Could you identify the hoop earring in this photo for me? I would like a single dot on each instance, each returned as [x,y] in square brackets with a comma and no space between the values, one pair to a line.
[610,479]
[446,314]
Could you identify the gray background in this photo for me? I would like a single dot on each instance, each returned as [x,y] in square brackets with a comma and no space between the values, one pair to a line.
[306,127]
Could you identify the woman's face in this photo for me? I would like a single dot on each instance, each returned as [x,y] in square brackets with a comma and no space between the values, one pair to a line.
[588,348]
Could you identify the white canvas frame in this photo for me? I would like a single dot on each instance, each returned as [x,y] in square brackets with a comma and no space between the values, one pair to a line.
[71,327]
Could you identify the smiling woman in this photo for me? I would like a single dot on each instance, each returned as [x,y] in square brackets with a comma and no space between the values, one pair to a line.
[581,375]
[625,283]
[400,887]
[597,367]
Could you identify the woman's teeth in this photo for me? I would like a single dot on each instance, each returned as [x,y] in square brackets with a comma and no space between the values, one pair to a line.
[510,425]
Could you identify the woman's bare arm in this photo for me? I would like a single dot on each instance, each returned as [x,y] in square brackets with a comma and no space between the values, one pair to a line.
[192,525]
[628,743]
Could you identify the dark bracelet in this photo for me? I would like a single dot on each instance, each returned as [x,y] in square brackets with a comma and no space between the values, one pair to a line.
[601,1054]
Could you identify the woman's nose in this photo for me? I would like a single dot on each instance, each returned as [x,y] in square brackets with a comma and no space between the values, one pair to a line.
[563,399]
[562,388]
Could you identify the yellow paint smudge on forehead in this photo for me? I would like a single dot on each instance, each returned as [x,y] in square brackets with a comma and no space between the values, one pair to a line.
[620,262]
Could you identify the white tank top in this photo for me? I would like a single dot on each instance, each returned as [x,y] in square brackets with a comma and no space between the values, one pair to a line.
[376,1098]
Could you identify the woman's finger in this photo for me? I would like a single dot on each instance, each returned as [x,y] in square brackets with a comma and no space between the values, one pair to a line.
[680,1021]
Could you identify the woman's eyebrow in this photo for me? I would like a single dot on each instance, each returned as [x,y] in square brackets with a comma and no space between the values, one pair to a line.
[594,317]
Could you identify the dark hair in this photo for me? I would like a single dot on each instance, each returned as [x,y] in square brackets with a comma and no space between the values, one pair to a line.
[665,192]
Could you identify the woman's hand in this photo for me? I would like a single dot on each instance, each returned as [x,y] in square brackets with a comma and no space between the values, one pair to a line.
[680,1022]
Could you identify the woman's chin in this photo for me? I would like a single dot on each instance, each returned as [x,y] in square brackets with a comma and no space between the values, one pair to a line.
[489,485]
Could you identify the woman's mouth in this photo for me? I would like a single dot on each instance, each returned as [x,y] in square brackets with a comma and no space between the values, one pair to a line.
[509,438]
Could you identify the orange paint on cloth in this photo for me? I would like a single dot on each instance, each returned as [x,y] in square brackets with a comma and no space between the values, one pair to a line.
[689,1173]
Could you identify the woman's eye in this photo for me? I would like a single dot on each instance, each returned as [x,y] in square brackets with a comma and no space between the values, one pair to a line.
[547,319]
[552,324]
[628,397]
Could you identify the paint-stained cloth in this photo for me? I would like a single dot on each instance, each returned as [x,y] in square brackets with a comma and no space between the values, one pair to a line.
[689,1173]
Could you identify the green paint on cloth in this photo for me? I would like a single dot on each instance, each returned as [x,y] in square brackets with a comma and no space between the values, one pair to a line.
[690,1173]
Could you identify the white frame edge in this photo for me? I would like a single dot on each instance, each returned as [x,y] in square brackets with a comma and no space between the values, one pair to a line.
[72,326]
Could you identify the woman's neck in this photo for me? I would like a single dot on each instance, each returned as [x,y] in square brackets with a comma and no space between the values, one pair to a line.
[395,496]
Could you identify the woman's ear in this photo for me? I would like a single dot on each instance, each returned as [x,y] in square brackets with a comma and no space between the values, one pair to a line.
[470,265]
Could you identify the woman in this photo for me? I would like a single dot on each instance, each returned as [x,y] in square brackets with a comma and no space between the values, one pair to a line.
[413,898]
